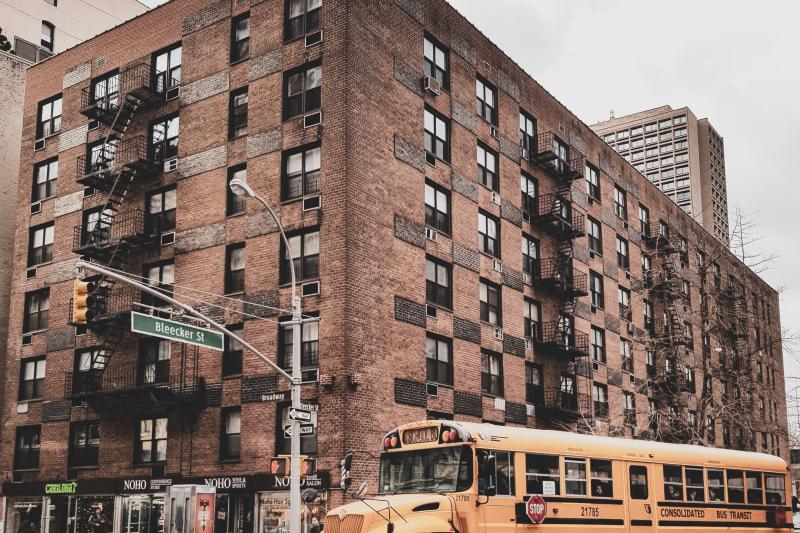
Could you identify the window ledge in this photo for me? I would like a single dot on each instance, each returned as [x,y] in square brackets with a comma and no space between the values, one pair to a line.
[440,306]
[35,332]
[40,265]
[26,470]
[236,215]
[84,467]
[493,396]
[443,385]
[232,376]
[56,134]
[230,461]
[492,325]
[233,293]
[32,400]
[240,61]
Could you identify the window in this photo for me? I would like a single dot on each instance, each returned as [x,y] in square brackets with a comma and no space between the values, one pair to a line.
[26,449]
[626,355]
[620,203]
[596,289]
[776,489]
[31,378]
[160,276]
[716,485]
[101,155]
[623,260]
[648,315]
[308,443]
[437,208]
[486,102]
[438,283]
[436,64]
[638,477]
[495,473]
[624,297]
[233,352]
[439,359]
[487,168]
[491,306]
[491,373]
[532,312]
[230,434]
[234,268]
[37,307]
[84,444]
[437,134]
[48,35]
[598,345]
[45,175]
[530,256]
[629,408]
[695,489]
[754,492]
[154,362]
[164,139]
[600,398]
[161,207]
[167,68]
[644,220]
[151,441]
[309,345]
[304,252]
[527,132]
[240,38]
[49,118]
[574,476]
[105,92]
[237,114]
[302,17]
[40,244]
[488,234]
[600,473]
[235,204]
[735,479]
[534,386]
[542,474]
[529,188]
[595,236]
[301,172]
[673,482]
[592,182]
[303,91]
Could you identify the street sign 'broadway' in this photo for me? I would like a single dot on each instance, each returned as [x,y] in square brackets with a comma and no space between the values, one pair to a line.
[175,331]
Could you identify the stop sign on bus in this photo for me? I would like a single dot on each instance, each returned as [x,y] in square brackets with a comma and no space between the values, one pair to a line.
[536,509]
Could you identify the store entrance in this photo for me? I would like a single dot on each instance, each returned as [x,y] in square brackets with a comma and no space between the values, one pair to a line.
[143,514]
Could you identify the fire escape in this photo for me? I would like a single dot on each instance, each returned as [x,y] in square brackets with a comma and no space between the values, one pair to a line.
[116,235]
[555,214]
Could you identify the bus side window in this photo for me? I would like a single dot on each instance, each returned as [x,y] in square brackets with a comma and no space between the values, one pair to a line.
[495,473]
[638,475]
[716,485]
[673,482]
[602,484]
[487,482]
[776,490]
[735,486]
[695,491]
[504,462]
[574,476]
[543,475]
[754,492]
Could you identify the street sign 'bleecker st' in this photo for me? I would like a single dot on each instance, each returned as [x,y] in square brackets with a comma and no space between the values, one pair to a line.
[175,331]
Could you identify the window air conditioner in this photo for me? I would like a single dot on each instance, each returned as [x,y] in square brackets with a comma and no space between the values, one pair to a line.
[432,85]
[430,234]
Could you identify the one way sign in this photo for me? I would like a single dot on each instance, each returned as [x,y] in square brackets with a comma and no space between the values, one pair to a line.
[305,429]
[300,414]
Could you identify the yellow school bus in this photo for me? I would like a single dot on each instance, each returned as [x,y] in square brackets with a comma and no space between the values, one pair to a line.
[439,476]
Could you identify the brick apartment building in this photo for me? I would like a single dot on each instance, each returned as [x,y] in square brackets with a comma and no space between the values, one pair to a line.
[549,285]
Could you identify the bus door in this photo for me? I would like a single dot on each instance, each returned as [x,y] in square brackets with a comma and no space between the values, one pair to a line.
[496,491]
[640,497]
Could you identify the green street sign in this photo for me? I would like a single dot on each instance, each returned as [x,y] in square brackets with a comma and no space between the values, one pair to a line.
[175,331]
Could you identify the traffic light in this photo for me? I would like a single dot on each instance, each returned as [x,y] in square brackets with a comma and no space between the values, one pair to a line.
[281,466]
[82,300]
[308,467]
[346,463]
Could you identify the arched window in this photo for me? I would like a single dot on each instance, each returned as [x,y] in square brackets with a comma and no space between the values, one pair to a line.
[48,35]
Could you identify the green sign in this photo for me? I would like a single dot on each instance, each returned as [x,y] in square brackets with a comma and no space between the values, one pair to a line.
[175,331]
[61,488]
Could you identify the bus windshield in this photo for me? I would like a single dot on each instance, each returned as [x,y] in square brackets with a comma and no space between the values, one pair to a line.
[435,470]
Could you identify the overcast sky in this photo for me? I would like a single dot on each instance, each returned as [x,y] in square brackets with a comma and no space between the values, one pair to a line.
[732,61]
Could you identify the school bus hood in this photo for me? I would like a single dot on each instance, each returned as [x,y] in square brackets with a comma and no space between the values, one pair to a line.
[419,510]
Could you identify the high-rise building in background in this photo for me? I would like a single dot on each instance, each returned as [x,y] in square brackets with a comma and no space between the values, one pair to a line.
[684,156]
[471,249]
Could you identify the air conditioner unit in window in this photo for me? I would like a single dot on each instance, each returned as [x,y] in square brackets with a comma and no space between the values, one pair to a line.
[171,165]
[529,344]
[530,410]
[496,198]
[432,389]
[312,203]
[30,273]
[22,408]
[313,38]
[527,279]
[314,119]
[27,340]
[36,207]
[631,328]
[167,238]
[93,125]
[88,191]
[311,289]
[172,93]
[500,404]
[498,334]
[430,234]
[495,132]
[39,144]
[430,159]
[430,311]
[432,85]
[625,225]
[310,375]
[497,265]
[631,378]
[526,216]
[524,153]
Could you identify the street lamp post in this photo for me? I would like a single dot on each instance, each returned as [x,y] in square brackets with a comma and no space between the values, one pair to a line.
[239,187]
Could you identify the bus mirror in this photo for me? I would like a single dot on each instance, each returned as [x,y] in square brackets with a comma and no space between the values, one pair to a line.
[482,499]
[361,490]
